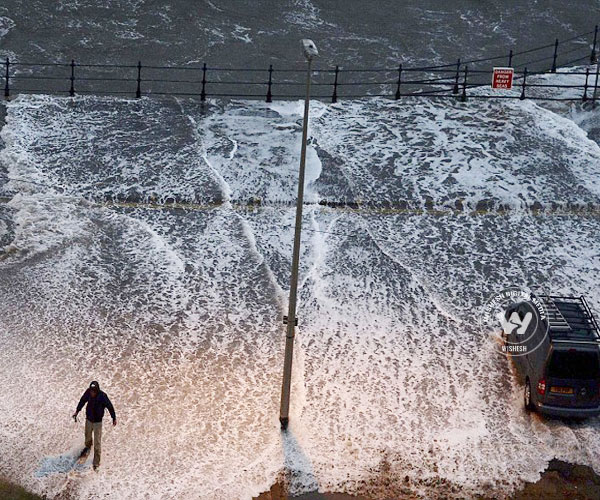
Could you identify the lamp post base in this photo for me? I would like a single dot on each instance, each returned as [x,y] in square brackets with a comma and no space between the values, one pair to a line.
[284,422]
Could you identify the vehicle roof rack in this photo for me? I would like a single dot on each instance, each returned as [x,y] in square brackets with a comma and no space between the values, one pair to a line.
[570,319]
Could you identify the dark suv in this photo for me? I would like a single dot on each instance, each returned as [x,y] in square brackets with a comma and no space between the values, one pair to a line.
[557,355]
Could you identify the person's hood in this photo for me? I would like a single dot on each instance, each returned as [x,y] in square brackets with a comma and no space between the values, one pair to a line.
[95,385]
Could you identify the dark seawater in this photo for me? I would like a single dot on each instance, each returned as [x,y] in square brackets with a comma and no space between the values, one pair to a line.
[247,33]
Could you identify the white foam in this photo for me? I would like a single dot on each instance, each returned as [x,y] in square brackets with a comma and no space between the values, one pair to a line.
[178,313]
[241,33]
[305,14]
[6,24]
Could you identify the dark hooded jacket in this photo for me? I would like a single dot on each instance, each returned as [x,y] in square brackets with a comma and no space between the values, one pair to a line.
[96,406]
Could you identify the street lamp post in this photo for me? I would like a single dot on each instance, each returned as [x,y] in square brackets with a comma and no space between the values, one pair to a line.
[310,51]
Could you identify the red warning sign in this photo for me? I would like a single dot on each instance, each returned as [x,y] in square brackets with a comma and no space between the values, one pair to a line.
[503,78]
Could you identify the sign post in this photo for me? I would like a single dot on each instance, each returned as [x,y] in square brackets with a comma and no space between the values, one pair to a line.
[503,78]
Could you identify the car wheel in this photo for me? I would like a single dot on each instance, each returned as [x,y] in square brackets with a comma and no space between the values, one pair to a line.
[527,397]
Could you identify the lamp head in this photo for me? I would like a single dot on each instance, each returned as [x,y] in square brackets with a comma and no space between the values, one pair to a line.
[310,49]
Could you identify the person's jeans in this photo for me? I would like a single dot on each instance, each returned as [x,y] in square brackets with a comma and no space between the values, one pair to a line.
[96,428]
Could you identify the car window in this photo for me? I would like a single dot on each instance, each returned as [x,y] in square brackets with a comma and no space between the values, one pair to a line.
[569,364]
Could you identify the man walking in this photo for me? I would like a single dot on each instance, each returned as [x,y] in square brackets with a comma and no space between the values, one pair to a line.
[97,401]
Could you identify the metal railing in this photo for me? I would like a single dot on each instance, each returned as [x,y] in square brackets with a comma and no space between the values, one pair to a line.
[453,80]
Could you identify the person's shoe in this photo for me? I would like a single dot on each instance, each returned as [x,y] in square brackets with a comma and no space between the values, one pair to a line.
[84,452]
[96,467]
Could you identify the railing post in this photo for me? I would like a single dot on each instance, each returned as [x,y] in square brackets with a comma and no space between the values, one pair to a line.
[555,54]
[72,89]
[138,91]
[595,86]
[269,95]
[463,97]
[203,93]
[399,82]
[593,56]
[7,76]
[585,87]
[524,84]
[335,84]
[455,89]
[510,56]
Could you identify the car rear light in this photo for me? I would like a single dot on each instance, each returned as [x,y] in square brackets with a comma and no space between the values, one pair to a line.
[542,387]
